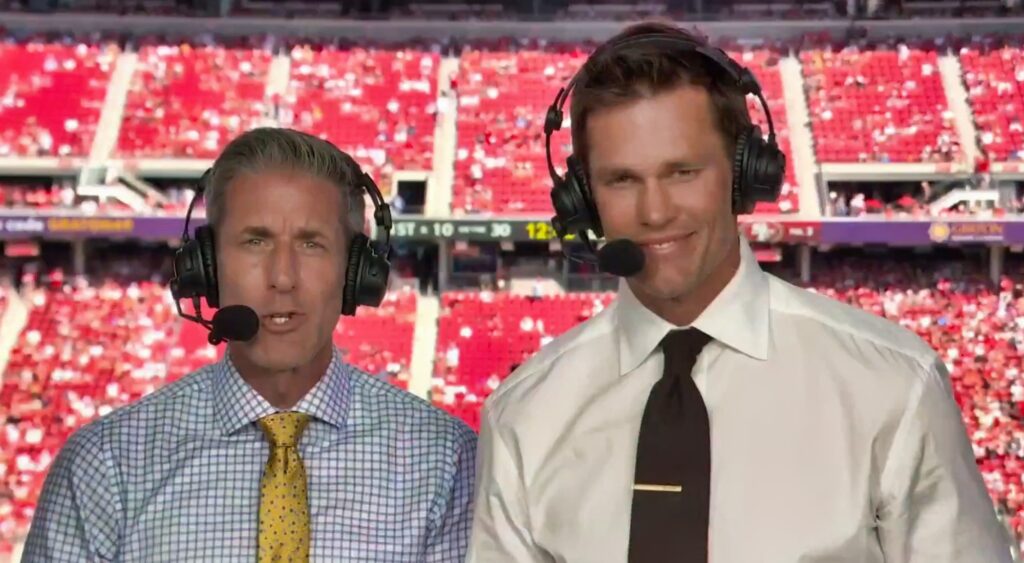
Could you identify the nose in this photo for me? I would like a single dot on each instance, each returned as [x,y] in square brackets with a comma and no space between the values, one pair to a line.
[283,271]
[654,205]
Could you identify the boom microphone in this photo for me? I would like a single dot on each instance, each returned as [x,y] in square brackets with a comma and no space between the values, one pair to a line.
[234,322]
[622,257]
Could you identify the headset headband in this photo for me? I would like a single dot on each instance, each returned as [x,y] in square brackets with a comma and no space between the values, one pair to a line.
[740,75]
[381,210]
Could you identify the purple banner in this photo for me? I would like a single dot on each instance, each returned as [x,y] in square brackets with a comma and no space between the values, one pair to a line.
[769,230]
[921,233]
[72,226]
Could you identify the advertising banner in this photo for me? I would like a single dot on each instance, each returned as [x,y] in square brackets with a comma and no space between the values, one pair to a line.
[922,233]
[79,226]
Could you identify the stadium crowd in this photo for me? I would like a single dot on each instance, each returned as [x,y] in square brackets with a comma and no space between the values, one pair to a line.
[188,99]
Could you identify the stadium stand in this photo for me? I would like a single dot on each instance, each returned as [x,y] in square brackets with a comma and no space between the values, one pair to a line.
[20,196]
[189,100]
[379,105]
[51,95]
[482,336]
[502,97]
[384,337]
[993,72]
[878,103]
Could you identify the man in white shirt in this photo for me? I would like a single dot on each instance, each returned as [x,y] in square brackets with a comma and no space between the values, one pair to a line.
[832,433]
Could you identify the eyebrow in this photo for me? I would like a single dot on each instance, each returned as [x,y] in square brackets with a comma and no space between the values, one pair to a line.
[256,231]
[614,171]
[263,232]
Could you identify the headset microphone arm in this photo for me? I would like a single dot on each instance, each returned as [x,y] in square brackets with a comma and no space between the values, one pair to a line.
[197,317]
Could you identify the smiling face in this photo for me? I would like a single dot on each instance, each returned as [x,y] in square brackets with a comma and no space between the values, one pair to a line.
[661,175]
[282,250]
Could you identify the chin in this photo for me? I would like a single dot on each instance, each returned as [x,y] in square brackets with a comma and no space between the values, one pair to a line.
[665,286]
[665,292]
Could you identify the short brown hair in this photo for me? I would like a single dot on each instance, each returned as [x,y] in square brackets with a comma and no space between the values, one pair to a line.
[612,78]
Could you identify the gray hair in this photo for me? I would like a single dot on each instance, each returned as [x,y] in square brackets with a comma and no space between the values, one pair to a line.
[272,147]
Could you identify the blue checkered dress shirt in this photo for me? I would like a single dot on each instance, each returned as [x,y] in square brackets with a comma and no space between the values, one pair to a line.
[176,476]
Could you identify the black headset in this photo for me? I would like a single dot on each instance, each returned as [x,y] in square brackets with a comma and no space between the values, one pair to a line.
[366,278]
[758,165]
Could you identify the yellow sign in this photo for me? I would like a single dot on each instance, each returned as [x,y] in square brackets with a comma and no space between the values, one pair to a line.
[91,225]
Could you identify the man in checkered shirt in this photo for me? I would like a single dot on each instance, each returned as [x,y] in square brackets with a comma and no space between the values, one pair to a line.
[177,475]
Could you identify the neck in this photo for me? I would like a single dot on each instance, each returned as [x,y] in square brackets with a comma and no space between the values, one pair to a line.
[283,388]
[683,309]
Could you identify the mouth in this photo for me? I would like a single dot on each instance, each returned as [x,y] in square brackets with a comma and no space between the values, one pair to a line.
[283,321]
[664,244]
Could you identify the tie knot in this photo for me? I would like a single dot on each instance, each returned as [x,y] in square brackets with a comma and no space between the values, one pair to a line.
[284,429]
[684,344]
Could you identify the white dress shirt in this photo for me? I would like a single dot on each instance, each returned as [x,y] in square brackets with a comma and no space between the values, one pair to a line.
[834,437]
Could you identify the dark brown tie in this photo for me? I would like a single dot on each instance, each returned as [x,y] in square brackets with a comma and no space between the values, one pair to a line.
[672,484]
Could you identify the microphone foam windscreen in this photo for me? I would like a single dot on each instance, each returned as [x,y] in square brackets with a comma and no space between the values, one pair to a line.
[622,257]
[236,322]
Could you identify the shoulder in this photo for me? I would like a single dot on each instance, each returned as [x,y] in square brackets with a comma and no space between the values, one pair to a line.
[406,416]
[587,343]
[840,327]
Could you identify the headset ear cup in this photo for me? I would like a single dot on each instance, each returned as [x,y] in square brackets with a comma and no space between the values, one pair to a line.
[208,260]
[561,201]
[373,280]
[188,278]
[771,170]
[356,250]
[764,167]
[366,277]
[739,203]
[570,196]
[585,200]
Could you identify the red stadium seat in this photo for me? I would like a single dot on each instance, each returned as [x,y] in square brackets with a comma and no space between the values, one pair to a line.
[379,340]
[482,336]
[52,97]
[878,104]
[994,76]
[376,104]
[189,101]
[499,162]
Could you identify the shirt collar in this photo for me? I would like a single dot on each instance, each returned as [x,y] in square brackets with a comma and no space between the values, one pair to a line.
[237,404]
[738,317]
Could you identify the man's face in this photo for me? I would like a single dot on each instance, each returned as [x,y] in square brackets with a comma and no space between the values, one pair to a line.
[661,177]
[282,250]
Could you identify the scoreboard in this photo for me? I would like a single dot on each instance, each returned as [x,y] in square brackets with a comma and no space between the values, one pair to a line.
[539,230]
[474,229]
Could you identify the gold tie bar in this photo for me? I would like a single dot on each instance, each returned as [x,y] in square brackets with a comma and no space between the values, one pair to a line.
[658,488]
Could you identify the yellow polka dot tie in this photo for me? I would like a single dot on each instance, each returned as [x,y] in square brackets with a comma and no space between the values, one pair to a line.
[284,510]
